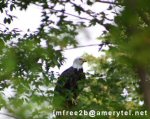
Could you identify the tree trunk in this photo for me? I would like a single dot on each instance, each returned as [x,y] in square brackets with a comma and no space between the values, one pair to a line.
[145,85]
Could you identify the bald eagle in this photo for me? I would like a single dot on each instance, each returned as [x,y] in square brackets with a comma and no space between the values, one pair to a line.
[67,90]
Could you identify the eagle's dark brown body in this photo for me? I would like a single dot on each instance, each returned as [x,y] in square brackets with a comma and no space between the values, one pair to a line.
[67,90]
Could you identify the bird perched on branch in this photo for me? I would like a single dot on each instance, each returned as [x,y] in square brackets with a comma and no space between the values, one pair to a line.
[67,89]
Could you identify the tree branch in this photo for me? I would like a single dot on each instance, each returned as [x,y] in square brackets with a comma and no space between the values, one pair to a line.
[8,115]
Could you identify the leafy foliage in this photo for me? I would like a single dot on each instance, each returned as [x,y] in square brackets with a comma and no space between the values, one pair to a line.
[130,38]
[26,65]
[108,85]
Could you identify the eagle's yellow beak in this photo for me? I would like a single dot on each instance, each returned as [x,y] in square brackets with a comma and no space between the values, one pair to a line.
[83,60]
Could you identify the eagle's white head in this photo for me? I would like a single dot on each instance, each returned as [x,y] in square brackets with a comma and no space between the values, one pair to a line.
[77,63]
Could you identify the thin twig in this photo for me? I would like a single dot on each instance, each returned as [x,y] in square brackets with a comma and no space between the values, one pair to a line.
[77,16]
[108,2]
[82,46]
[71,14]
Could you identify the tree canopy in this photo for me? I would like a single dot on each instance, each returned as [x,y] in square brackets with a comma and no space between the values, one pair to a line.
[120,80]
